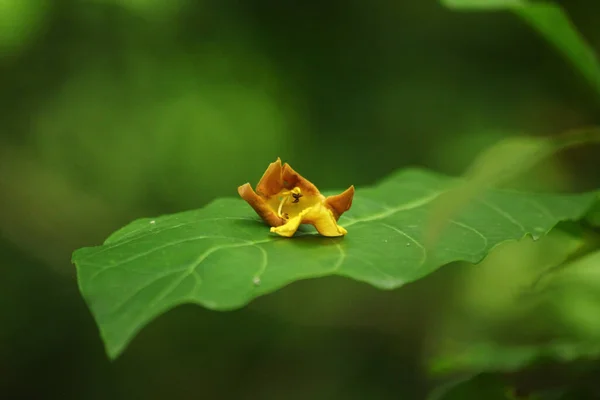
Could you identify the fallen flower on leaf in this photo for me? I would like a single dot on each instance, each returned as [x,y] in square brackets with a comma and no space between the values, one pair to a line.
[284,200]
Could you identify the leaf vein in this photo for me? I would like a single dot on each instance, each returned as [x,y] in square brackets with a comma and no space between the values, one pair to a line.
[503,213]
[542,208]
[263,265]
[338,264]
[470,228]
[403,207]
[415,241]
[155,231]
[140,255]
[385,274]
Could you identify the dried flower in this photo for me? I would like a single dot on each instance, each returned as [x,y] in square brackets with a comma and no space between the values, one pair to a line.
[284,200]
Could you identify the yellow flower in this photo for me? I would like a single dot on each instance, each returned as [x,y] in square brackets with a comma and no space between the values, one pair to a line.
[284,200]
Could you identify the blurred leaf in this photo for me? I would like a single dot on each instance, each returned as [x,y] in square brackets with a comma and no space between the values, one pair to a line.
[498,165]
[152,8]
[491,356]
[222,257]
[553,24]
[583,270]
[490,386]
[568,297]
[510,157]
[491,309]
[493,290]
[593,217]
[20,22]
[483,386]
[573,291]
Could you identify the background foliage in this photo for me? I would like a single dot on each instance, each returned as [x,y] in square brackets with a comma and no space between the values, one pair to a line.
[114,110]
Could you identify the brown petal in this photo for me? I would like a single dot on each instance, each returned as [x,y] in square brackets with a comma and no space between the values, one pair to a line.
[271,182]
[292,179]
[259,205]
[340,203]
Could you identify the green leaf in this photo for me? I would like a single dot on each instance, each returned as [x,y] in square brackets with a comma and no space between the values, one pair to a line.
[491,386]
[552,23]
[593,217]
[573,292]
[222,256]
[484,386]
[499,164]
[568,297]
[491,356]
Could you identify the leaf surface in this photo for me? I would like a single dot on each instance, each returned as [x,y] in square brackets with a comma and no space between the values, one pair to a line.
[222,256]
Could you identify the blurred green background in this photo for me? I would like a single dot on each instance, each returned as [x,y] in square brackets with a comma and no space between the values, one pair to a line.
[117,109]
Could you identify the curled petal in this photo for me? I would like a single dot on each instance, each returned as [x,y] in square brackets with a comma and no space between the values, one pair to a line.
[293,179]
[324,221]
[319,216]
[259,205]
[340,203]
[271,182]
[290,227]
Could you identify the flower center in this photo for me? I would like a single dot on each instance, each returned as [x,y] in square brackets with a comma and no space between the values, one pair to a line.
[295,193]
